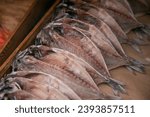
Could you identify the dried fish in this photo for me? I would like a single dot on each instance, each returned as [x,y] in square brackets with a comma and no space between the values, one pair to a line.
[112,58]
[125,19]
[47,79]
[35,88]
[83,9]
[97,77]
[74,41]
[20,95]
[78,84]
[120,13]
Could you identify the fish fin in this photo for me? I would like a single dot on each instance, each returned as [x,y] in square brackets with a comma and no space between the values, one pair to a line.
[135,43]
[118,87]
[135,65]
[139,41]
[143,32]
[114,62]
[136,48]
[146,29]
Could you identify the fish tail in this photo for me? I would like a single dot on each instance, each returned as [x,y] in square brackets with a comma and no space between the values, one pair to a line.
[141,38]
[143,33]
[118,87]
[135,65]
[135,43]
[146,30]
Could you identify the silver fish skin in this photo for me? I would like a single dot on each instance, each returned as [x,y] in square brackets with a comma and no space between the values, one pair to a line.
[119,11]
[47,79]
[81,45]
[117,52]
[111,56]
[80,87]
[96,76]
[100,25]
[42,91]
[125,19]
[98,12]
[48,56]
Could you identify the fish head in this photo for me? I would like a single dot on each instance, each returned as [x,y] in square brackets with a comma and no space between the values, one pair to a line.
[40,51]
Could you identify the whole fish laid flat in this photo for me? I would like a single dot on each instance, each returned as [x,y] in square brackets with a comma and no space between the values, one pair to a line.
[112,58]
[98,2]
[76,12]
[120,13]
[97,77]
[47,79]
[77,43]
[35,88]
[90,22]
[47,55]
[84,9]
[127,21]
[77,84]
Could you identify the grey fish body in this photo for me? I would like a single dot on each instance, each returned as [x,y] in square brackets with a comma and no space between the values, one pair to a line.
[111,56]
[33,87]
[20,95]
[77,43]
[97,77]
[81,88]
[125,19]
[48,80]
[111,49]
[100,25]
[84,8]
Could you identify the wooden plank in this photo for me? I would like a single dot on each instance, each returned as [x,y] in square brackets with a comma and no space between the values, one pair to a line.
[12,13]
[31,18]
[29,38]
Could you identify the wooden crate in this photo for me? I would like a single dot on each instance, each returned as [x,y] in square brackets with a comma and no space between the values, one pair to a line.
[24,34]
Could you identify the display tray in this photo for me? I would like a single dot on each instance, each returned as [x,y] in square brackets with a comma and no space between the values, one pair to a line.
[137,84]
